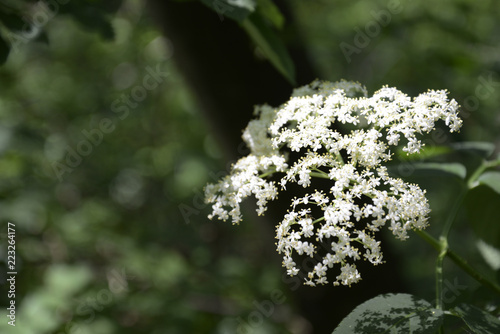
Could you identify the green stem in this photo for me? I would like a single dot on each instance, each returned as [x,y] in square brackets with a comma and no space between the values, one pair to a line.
[339,158]
[480,170]
[267,174]
[443,247]
[443,250]
[459,261]
[318,220]
[472,272]
[322,175]
[442,244]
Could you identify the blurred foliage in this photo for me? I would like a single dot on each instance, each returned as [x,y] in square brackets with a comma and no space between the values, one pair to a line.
[415,46]
[120,242]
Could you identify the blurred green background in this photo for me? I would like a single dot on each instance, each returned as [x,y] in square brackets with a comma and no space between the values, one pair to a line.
[117,240]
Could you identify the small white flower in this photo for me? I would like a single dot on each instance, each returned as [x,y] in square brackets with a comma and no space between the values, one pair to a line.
[348,276]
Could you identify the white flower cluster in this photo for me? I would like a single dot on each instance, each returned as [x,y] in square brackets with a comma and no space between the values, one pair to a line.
[336,225]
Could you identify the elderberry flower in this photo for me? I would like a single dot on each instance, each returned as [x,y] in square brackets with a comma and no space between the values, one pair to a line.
[334,226]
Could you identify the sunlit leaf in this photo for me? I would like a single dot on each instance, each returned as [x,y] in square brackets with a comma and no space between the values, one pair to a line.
[237,10]
[479,321]
[271,12]
[490,254]
[392,313]
[491,179]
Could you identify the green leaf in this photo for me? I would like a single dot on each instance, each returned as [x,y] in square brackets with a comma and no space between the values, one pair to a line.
[477,320]
[237,10]
[491,255]
[392,313]
[4,50]
[271,12]
[430,169]
[491,179]
[271,45]
[483,149]
[482,208]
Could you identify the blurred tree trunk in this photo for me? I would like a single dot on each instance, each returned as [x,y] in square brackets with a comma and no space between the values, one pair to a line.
[219,63]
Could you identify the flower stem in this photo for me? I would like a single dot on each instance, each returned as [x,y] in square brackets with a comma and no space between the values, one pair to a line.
[443,247]
[318,220]
[443,250]
[319,174]
[459,261]
[266,174]
[480,170]
[442,244]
